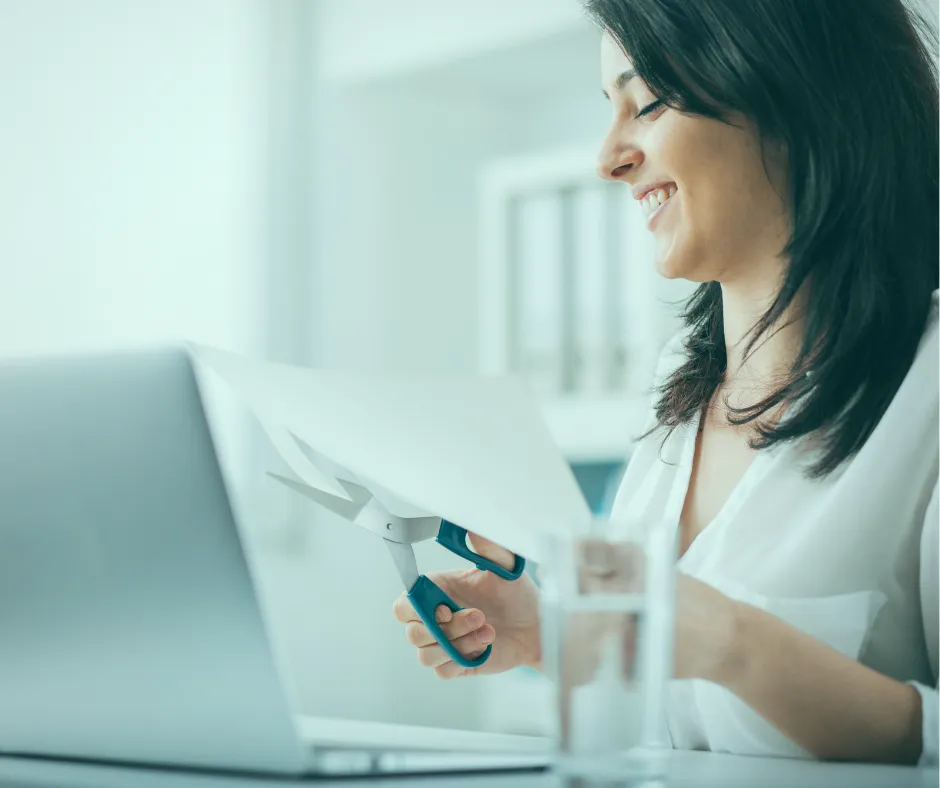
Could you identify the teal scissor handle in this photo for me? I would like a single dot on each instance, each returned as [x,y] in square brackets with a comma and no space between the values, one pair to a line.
[425,597]
[454,538]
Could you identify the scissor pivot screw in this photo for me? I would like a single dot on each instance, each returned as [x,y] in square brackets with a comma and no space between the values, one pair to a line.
[388,526]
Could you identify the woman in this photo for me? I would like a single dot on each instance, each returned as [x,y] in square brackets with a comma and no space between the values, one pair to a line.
[786,155]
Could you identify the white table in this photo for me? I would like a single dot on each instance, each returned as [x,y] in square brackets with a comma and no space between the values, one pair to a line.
[693,769]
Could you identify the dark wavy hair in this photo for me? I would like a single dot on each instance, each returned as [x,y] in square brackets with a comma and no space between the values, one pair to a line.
[850,90]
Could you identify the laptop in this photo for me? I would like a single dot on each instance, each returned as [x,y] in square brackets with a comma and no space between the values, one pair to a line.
[130,628]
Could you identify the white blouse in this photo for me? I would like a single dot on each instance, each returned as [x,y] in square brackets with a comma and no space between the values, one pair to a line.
[850,559]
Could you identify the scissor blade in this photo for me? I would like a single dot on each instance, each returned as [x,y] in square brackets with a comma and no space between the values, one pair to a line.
[404,557]
[356,492]
[346,478]
[345,509]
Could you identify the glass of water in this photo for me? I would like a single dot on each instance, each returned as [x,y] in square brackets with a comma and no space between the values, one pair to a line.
[607,631]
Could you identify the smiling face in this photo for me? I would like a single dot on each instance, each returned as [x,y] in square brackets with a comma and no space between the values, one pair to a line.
[711,197]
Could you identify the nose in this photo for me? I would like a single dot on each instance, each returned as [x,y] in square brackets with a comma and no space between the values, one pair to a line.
[617,159]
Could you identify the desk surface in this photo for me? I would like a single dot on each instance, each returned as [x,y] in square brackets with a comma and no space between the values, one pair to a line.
[693,769]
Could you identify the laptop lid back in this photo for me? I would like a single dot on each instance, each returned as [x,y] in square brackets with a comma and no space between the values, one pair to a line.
[129,625]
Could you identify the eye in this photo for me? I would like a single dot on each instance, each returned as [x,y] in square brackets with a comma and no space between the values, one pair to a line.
[649,108]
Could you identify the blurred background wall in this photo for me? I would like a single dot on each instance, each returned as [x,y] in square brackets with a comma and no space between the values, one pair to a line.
[308,182]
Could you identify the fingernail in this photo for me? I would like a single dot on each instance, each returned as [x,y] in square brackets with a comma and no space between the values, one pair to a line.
[442,615]
[475,619]
[486,637]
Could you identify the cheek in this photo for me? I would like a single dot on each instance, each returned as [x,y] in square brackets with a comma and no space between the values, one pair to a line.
[696,240]
[722,183]
[709,228]
[723,206]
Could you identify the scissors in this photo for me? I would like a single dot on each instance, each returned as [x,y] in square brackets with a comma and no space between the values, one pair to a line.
[399,533]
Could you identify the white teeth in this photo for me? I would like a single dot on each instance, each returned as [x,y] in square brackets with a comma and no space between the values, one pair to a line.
[657,197]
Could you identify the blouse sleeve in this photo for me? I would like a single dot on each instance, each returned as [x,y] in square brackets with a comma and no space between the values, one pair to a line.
[929,560]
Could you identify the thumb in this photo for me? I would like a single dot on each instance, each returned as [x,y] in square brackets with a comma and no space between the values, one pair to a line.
[492,551]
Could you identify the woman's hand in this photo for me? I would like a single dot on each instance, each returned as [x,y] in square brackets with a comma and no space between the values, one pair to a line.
[496,612]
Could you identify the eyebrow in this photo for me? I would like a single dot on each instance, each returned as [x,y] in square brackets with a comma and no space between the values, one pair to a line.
[621,81]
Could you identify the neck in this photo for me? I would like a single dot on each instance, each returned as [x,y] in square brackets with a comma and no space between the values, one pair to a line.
[773,355]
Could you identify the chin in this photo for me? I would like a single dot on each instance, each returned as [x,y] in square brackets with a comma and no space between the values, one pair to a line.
[670,268]
[666,272]
[678,266]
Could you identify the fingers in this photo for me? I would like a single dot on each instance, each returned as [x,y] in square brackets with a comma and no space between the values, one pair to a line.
[470,645]
[492,551]
[462,623]
[451,670]
[404,611]
[605,567]
[466,629]
[594,557]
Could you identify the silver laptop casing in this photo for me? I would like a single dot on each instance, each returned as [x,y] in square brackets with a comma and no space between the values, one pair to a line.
[129,626]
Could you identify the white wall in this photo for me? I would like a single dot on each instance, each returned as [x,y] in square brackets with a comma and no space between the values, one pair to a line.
[132,160]
[359,40]
[132,147]
[398,164]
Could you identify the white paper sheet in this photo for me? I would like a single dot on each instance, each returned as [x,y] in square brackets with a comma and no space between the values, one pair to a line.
[474,451]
